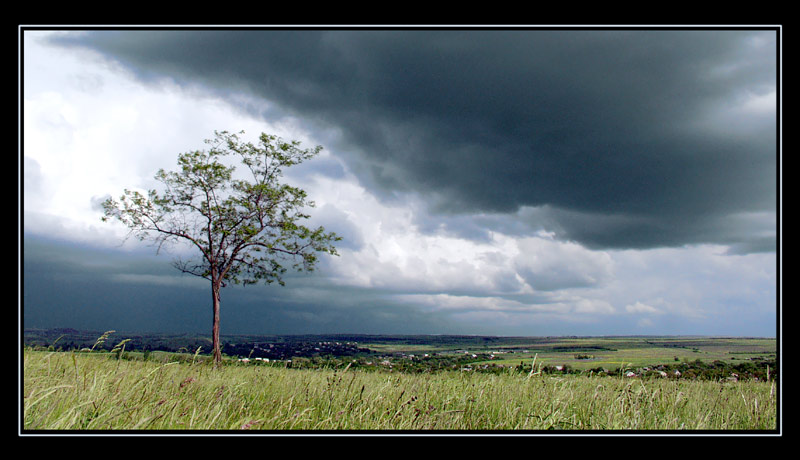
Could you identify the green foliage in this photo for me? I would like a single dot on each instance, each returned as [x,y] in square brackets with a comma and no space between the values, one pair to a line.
[246,230]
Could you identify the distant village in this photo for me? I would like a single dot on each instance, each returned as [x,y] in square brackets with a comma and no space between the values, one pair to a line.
[287,350]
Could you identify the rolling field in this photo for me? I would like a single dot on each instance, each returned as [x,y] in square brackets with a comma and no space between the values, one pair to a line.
[96,391]
[609,352]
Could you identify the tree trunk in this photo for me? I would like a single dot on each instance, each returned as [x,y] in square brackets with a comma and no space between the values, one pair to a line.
[215,286]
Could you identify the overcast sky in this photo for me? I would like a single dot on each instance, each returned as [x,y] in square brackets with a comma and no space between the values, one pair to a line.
[496,182]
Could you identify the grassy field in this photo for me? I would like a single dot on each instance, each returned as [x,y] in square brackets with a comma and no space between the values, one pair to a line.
[584,353]
[94,391]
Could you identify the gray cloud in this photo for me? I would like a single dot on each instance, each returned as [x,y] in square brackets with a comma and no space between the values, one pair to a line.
[338,222]
[80,286]
[626,138]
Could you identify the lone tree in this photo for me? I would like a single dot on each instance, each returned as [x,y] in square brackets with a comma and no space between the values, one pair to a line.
[247,231]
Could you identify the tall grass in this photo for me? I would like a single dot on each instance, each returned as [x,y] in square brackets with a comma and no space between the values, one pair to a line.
[82,391]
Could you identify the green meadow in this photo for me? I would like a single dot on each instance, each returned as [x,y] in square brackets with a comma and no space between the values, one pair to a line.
[590,353]
[614,353]
[71,390]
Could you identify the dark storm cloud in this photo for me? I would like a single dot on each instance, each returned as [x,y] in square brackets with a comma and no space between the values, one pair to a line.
[83,287]
[627,138]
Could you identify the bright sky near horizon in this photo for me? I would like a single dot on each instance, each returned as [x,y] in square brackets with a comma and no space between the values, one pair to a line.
[494,182]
